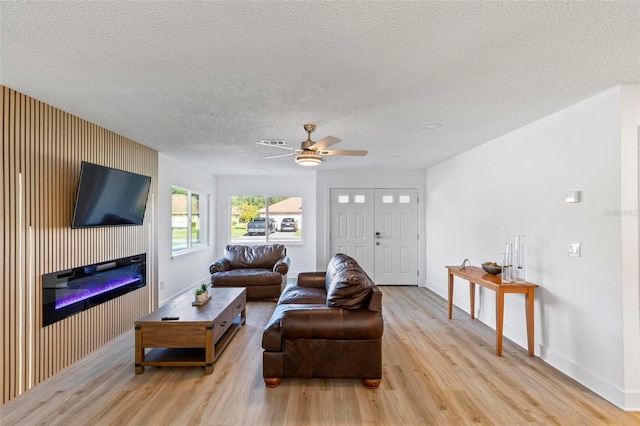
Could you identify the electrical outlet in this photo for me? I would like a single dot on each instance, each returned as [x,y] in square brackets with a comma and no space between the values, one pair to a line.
[161,285]
[574,249]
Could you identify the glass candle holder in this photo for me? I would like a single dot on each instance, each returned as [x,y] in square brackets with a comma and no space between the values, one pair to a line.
[507,268]
[518,270]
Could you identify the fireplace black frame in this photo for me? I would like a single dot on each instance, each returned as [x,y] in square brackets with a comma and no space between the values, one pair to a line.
[68,292]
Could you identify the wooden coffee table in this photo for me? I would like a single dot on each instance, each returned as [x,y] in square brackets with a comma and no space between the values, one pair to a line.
[183,335]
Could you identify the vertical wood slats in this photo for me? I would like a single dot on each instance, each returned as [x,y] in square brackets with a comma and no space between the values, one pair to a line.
[42,148]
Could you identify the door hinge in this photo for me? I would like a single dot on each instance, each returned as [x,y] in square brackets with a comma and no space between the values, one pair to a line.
[418,272]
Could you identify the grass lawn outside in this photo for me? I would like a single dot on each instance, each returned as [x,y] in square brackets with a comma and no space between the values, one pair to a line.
[239,230]
[180,234]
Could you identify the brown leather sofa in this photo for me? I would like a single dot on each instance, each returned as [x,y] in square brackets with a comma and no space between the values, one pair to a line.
[261,269]
[328,325]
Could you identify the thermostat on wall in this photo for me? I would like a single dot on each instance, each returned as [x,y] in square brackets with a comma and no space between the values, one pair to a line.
[573,249]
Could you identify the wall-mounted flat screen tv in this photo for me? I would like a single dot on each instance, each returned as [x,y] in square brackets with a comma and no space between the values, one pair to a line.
[109,197]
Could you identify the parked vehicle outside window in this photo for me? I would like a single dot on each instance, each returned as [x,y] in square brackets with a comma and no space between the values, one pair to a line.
[288,224]
[257,226]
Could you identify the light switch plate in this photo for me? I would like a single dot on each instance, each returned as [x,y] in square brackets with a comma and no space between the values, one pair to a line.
[572,197]
[574,249]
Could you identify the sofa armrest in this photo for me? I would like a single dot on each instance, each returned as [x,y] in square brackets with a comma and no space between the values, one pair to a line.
[220,265]
[282,265]
[312,279]
[375,300]
[323,322]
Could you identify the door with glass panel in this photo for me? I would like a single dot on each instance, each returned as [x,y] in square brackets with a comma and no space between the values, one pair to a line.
[351,225]
[396,236]
[378,228]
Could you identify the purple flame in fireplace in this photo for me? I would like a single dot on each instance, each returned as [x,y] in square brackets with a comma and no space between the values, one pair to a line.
[69,291]
[91,292]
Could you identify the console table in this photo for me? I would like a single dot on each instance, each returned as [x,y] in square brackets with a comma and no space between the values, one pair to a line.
[183,335]
[476,275]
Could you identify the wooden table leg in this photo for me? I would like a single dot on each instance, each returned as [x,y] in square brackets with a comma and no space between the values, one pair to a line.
[209,351]
[243,316]
[499,320]
[450,294]
[529,298]
[139,355]
[472,298]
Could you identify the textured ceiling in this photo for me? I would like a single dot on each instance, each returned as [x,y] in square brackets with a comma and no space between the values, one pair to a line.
[204,81]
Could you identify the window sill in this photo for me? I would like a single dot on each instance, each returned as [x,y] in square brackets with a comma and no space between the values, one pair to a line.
[288,242]
[257,243]
[187,252]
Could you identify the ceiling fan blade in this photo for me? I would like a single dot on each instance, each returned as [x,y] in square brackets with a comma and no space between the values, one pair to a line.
[276,146]
[358,152]
[324,143]
[279,155]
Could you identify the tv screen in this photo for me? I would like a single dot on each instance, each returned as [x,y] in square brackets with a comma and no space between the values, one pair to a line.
[109,197]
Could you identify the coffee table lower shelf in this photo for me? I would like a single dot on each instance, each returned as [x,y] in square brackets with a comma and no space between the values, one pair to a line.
[189,357]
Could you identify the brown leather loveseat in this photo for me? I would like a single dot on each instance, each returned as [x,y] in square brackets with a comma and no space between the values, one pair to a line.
[328,325]
[261,269]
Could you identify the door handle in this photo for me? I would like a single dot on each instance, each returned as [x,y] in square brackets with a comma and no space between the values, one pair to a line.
[378,235]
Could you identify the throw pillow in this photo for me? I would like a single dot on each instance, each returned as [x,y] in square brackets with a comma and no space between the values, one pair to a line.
[336,263]
[349,288]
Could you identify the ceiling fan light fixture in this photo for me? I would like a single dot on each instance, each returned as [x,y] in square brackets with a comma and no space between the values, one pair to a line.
[308,159]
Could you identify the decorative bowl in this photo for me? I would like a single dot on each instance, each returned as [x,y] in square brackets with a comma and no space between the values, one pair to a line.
[492,268]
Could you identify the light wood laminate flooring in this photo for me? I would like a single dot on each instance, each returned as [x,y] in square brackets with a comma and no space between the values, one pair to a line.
[435,372]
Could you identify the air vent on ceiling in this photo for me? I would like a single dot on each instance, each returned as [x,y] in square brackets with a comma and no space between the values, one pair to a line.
[280,142]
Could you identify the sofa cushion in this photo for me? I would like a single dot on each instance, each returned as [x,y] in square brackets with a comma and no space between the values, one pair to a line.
[350,287]
[246,277]
[261,256]
[297,294]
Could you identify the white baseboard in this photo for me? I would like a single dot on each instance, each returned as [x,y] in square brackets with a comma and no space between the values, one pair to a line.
[595,383]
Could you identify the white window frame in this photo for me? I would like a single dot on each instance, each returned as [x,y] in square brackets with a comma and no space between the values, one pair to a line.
[203,202]
[269,238]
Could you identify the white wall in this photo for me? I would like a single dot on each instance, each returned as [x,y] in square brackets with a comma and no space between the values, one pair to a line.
[176,275]
[364,179]
[303,254]
[630,162]
[478,201]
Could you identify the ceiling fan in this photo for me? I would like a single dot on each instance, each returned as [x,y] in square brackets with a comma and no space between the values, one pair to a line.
[310,153]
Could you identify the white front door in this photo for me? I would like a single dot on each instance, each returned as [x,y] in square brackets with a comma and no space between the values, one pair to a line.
[351,225]
[378,228]
[396,235]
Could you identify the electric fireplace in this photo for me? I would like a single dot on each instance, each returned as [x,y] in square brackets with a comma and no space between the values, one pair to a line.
[68,292]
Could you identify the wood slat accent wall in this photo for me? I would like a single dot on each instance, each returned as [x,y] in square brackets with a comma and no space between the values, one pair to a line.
[42,149]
